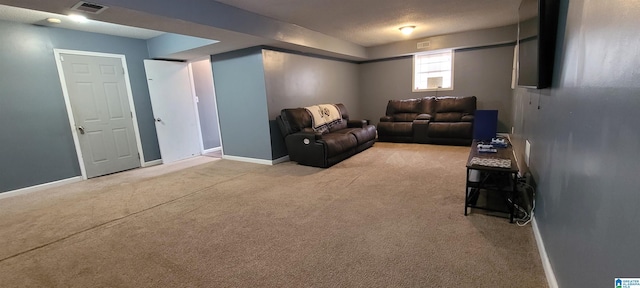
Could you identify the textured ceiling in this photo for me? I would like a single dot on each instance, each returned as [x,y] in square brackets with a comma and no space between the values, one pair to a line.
[376,22]
[334,28]
[27,16]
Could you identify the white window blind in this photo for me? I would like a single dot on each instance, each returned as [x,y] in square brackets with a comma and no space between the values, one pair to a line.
[433,71]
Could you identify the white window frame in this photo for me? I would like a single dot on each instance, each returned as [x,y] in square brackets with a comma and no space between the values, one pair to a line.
[437,53]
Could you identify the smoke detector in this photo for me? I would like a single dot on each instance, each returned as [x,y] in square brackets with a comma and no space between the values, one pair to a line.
[88,7]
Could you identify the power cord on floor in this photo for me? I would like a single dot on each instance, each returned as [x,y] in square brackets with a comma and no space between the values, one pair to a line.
[528,216]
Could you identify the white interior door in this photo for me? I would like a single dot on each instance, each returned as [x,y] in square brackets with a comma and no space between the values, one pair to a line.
[101,112]
[173,104]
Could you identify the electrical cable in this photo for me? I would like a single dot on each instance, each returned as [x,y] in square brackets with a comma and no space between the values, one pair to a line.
[528,217]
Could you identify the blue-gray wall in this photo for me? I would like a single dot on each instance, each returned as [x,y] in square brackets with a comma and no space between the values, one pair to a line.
[36,144]
[584,145]
[203,85]
[242,104]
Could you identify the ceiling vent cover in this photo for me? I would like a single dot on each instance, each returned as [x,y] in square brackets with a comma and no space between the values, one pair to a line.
[424,45]
[89,7]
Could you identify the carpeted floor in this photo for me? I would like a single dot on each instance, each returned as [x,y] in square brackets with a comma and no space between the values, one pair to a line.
[391,216]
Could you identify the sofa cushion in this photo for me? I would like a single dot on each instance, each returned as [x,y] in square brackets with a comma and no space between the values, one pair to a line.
[452,109]
[338,143]
[345,118]
[450,130]
[363,135]
[428,105]
[422,117]
[395,128]
[448,117]
[297,118]
[465,105]
[343,111]
[403,106]
[404,117]
[338,126]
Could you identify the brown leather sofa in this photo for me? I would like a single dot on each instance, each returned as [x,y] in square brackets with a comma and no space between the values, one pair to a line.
[437,120]
[341,141]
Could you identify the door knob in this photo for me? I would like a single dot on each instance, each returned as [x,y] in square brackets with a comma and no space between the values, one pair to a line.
[158,119]
[81,129]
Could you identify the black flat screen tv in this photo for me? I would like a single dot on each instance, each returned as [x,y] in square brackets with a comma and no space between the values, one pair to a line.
[537,29]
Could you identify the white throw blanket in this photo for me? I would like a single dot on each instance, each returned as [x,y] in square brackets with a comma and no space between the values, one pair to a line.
[323,116]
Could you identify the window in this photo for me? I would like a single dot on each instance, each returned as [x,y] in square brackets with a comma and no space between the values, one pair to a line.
[433,71]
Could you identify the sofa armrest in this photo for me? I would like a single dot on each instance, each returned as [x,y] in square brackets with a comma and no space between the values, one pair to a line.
[467,118]
[357,123]
[300,141]
[423,117]
[305,148]
[311,135]
[386,119]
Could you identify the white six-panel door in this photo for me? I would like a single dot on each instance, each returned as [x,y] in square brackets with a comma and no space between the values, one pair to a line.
[103,117]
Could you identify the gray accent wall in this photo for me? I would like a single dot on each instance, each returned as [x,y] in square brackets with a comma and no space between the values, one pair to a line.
[253,85]
[281,79]
[294,80]
[242,103]
[584,145]
[203,85]
[484,72]
[36,144]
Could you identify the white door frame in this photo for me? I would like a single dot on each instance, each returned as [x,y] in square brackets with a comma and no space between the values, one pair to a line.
[215,104]
[67,102]
[195,102]
[215,107]
[215,101]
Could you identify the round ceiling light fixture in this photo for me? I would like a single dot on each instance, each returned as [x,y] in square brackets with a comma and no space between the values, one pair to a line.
[78,18]
[406,30]
[54,20]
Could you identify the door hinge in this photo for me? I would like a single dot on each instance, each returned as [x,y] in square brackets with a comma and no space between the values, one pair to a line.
[138,155]
[131,112]
[122,70]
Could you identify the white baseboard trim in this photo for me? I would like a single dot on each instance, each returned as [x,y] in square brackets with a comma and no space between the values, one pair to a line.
[152,163]
[256,161]
[546,264]
[212,150]
[39,187]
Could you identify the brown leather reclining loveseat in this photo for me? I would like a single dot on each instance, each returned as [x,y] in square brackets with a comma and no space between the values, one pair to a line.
[323,149]
[437,120]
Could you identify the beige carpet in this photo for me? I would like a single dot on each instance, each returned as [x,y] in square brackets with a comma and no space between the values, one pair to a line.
[391,216]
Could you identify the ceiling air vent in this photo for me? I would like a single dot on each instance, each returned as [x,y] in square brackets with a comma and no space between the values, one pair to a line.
[423,45]
[89,7]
